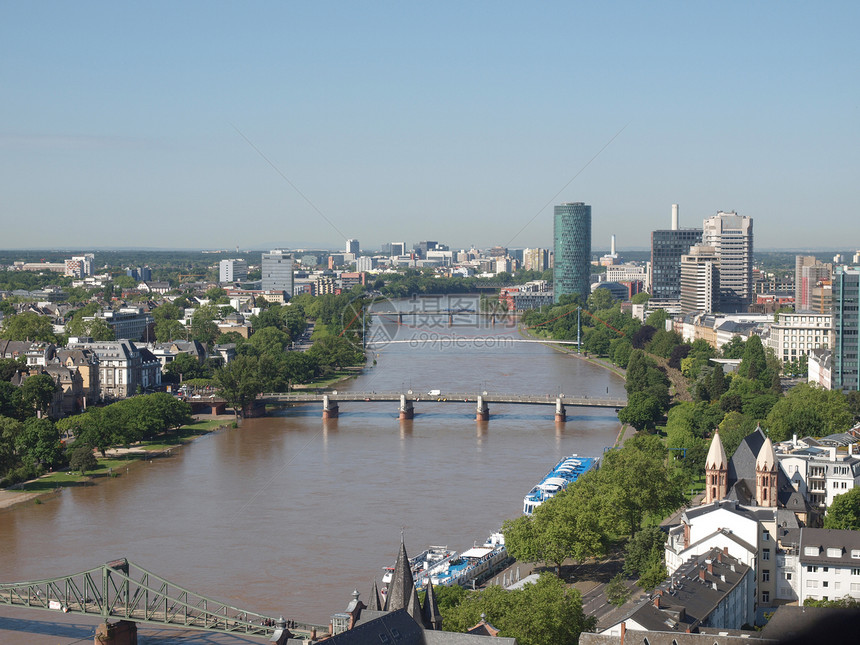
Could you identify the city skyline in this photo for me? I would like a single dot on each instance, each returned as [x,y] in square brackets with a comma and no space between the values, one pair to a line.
[216,125]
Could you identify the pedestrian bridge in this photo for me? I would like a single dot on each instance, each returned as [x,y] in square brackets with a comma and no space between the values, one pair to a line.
[124,591]
[331,400]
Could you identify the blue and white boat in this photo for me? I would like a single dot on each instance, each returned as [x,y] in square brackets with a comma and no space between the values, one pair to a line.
[566,471]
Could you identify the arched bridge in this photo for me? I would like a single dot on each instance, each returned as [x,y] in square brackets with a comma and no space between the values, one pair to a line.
[331,399]
[124,591]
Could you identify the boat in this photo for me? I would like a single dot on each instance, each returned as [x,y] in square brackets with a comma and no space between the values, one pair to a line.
[442,566]
[423,561]
[565,472]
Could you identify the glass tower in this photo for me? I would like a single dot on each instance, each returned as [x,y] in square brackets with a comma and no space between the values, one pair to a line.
[667,247]
[846,323]
[572,235]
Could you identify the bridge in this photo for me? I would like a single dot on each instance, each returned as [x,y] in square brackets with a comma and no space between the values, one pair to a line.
[331,399]
[425,314]
[130,594]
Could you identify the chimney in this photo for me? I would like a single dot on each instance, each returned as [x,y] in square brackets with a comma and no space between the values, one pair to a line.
[657,602]
[719,556]
[623,632]
[832,453]
[702,575]
[710,565]
[674,217]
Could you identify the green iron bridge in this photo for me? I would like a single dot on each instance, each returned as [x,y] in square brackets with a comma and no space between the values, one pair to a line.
[124,591]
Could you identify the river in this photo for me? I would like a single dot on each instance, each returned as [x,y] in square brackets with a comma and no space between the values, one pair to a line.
[288,514]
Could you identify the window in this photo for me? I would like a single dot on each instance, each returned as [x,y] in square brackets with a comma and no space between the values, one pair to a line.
[825,583]
[855,572]
[788,576]
[825,569]
[810,550]
[855,586]
[765,555]
[765,536]
[812,584]
[855,553]
[812,569]
[765,575]
[765,596]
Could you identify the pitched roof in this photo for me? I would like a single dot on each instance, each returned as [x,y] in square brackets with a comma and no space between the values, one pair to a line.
[402,583]
[716,459]
[430,611]
[375,604]
[766,459]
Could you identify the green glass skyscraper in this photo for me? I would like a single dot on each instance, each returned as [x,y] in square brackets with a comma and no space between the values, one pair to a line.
[572,263]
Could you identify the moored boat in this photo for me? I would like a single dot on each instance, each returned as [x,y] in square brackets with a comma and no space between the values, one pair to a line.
[565,472]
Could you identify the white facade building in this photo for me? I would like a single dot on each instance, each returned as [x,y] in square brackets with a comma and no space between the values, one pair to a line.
[820,474]
[796,334]
[828,564]
[731,235]
[277,269]
[232,270]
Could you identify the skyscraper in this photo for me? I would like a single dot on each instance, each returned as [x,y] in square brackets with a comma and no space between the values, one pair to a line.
[667,247]
[572,237]
[232,270]
[700,279]
[278,272]
[808,272]
[846,323]
[732,237]
[352,246]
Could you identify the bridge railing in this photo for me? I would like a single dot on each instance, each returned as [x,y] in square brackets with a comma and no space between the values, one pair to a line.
[124,590]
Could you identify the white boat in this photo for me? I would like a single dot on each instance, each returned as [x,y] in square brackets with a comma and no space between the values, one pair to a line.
[421,562]
[565,472]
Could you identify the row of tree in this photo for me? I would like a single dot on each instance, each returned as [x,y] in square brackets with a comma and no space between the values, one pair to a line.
[633,486]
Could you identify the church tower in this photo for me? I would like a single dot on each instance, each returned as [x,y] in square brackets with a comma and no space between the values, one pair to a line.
[716,471]
[766,468]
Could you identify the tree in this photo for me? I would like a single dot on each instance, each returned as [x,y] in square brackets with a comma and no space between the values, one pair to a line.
[239,383]
[754,362]
[734,348]
[664,342]
[616,591]
[643,550]
[28,326]
[636,482]
[600,299]
[97,328]
[642,411]
[9,431]
[81,457]
[546,612]
[11,366]
[733,428]
[39,443]
[808,410]
[844,511]
[38,391]
[203,327]
[640,298]
[657,319]
[184,366]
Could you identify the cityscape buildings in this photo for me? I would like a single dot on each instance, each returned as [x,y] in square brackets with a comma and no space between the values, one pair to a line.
[700,279]
[732,237]
[667,247]
[232,270]
[352,246]
[572,257]
[846,323]
[277,269]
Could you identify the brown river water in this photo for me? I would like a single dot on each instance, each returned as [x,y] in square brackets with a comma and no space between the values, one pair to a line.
[287,514]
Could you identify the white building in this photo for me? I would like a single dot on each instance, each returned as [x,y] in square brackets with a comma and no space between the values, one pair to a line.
[626,273]
[828,564]
[232,270]
[796,334]
[277,269]
[123,368]
[819,473]
[731,235]
[700,279]
[352,246]
[820,368]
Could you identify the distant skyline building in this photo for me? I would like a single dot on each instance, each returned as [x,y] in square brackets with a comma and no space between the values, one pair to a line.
[572,242]
[846,328]
[535,259]
[808,272]
[352,246]
[232,270]
[667,247]
[732,237]
[700,279]
[277,269]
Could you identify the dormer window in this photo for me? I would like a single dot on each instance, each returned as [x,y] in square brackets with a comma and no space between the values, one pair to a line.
[834,552]
[811,550]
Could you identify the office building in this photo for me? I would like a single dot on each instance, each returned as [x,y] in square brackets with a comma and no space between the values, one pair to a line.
[732,237]
[796,334]
[352,246]
[667,247]
[277,271]
[846,327]
[397,248]
[572,238]
[365,263]
[535,259]
[232,270]
[700,279]
[808,273]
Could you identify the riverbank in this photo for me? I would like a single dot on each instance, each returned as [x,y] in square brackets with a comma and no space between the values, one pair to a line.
[111,465]
[566,349]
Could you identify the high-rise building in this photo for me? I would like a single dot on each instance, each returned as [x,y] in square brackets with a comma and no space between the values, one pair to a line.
[232,270]
[398,248]
[667,247]
[808,273]
[846,328]
[535,259]
[732,237]
[572,237]
[352,246]
[277,268]
[700,279]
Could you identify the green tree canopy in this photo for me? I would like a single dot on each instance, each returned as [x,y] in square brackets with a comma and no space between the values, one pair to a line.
[39,443]
[38,391]
[808,410]
[28,326]
[844,511]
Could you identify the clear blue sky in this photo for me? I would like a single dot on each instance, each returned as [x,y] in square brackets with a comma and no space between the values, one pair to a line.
[450,121]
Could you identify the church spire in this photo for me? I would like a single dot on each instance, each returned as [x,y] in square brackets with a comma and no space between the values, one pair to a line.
[766,467]
[374,605]
[716,471]
[402,583]
[430,611]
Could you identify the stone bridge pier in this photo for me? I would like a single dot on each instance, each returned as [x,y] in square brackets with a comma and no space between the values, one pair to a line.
[406,409]
[123,632]
[330,408]
[560,412]
[482,412]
